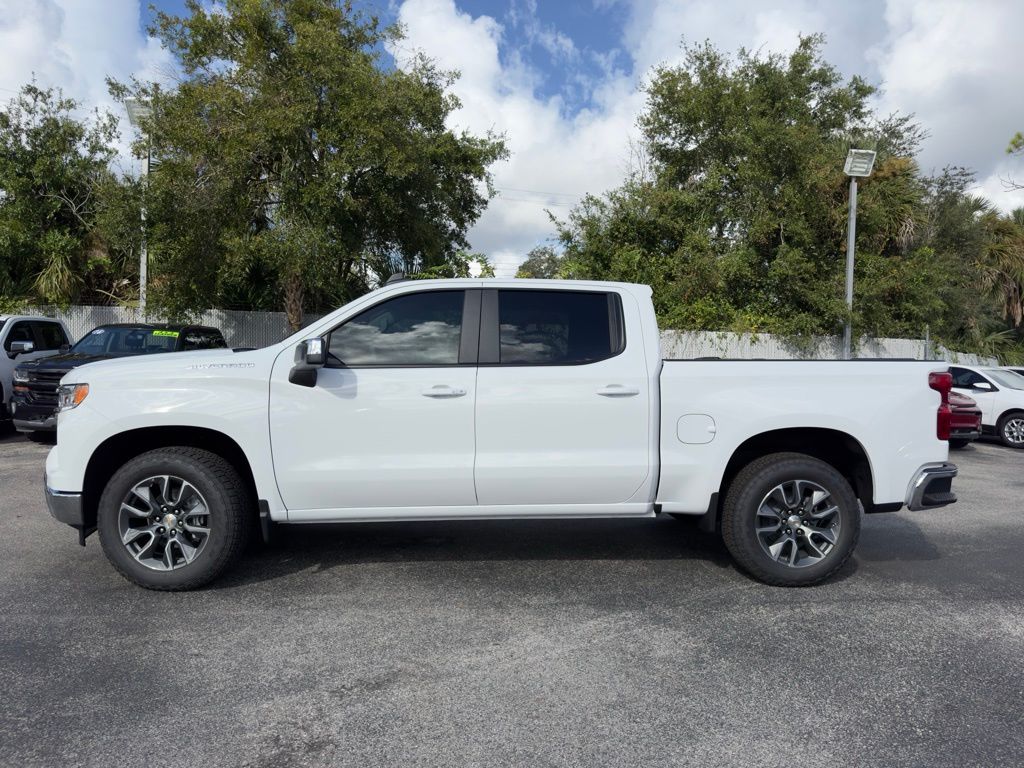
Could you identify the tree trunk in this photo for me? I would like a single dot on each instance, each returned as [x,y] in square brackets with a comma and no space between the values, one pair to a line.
[293,293]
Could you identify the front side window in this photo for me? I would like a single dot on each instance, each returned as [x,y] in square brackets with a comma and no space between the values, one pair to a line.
[557,327]
[414,329]
[19,332]
[51,336]
[966,379]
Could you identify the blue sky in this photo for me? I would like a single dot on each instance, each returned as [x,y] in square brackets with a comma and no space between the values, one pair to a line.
[562,79]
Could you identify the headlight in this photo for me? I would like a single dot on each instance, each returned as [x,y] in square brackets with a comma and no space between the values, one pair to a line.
[71,396]
[21,375]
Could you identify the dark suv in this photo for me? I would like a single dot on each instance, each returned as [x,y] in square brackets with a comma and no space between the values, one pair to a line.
[34,399]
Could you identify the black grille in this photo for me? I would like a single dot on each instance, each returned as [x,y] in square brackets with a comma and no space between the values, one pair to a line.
[42,386]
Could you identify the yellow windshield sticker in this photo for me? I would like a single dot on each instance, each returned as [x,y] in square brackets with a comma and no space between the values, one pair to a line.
[171,334]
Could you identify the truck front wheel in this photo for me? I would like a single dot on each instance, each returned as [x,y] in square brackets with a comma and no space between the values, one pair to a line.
[790,520]
[173,518]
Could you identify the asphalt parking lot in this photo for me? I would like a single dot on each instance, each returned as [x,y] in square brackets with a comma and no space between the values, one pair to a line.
[527,643]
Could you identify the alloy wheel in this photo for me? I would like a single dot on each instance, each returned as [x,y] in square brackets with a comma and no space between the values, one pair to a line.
[164,522]
[1013,430]
[797,523]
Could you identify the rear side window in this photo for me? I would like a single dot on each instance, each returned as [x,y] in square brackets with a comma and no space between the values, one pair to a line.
[558,327]
[414,329]
[203,338]
[50,335]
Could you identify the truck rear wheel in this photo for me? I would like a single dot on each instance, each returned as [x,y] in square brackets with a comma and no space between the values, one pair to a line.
[790,520]
[173,518]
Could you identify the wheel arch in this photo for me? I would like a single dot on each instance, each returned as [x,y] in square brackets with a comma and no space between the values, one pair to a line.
[1008,412]
[113,452]
[835,447]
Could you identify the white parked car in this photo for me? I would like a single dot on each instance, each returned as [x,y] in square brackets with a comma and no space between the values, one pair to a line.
[480,399]
[1000,395]
[23,338]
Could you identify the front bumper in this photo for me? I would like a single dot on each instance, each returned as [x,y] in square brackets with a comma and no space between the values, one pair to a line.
[65,507]
[43,425]
[32,417]
[932,487]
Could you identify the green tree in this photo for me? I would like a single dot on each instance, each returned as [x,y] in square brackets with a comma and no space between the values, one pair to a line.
[288,152]
[54,179]
[541,262]
[741,222]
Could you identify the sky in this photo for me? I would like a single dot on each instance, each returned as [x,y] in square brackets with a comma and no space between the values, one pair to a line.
[562,79]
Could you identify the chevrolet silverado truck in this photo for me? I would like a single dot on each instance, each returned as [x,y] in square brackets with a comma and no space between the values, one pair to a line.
[490,399]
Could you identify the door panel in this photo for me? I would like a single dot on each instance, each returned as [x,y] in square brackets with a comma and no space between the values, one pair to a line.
[390,421]
[553,433]
[370,437]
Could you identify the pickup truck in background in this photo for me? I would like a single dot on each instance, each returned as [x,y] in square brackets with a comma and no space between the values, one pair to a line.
[481,399]
[24,338]
[34,400]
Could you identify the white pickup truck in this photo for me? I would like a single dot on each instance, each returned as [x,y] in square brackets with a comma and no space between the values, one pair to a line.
[477,399]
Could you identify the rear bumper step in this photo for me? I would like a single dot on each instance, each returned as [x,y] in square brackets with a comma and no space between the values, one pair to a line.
[932,487]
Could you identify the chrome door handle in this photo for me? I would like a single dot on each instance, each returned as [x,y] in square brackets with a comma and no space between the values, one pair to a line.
[443,390]
[617,390]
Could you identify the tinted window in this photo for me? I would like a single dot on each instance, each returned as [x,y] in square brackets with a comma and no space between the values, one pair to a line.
[965,378]
[19,332]
[50,335]
[202,338]
[415,329]
[557,327]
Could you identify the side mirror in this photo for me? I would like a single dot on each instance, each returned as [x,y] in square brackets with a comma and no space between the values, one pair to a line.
[984,386]
[20,348]
[310,356]
[64,349]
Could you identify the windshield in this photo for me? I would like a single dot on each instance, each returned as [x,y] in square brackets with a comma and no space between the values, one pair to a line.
[121,340]
[1006,378]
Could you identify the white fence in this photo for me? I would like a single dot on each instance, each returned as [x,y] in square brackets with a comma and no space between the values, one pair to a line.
[691,344]
[258,329]
[240,329]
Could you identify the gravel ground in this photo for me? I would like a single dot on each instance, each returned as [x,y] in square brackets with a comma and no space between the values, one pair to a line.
[521,643]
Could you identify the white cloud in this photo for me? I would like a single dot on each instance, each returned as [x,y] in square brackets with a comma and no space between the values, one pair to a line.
[958,66]
[75,45]
[555,158]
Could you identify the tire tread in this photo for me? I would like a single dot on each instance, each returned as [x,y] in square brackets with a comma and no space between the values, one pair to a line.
[732,517]
[236,533]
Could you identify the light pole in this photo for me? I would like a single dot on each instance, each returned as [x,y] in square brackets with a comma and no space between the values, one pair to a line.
[137,112]
[858,164]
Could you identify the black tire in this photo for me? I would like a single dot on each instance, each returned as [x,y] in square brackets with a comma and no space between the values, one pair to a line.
[230,516]
[1008,429]
[957,444]
[740,515]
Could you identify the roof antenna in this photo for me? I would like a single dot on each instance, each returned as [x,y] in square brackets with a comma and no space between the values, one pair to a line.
[395,278]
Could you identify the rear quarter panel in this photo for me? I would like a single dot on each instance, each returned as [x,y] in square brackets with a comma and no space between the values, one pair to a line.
[886,406]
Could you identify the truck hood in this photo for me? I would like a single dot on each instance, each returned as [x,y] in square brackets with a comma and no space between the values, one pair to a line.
[63,362]
[143,371]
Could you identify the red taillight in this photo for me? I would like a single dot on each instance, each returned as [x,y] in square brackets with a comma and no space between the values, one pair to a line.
[942,383]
